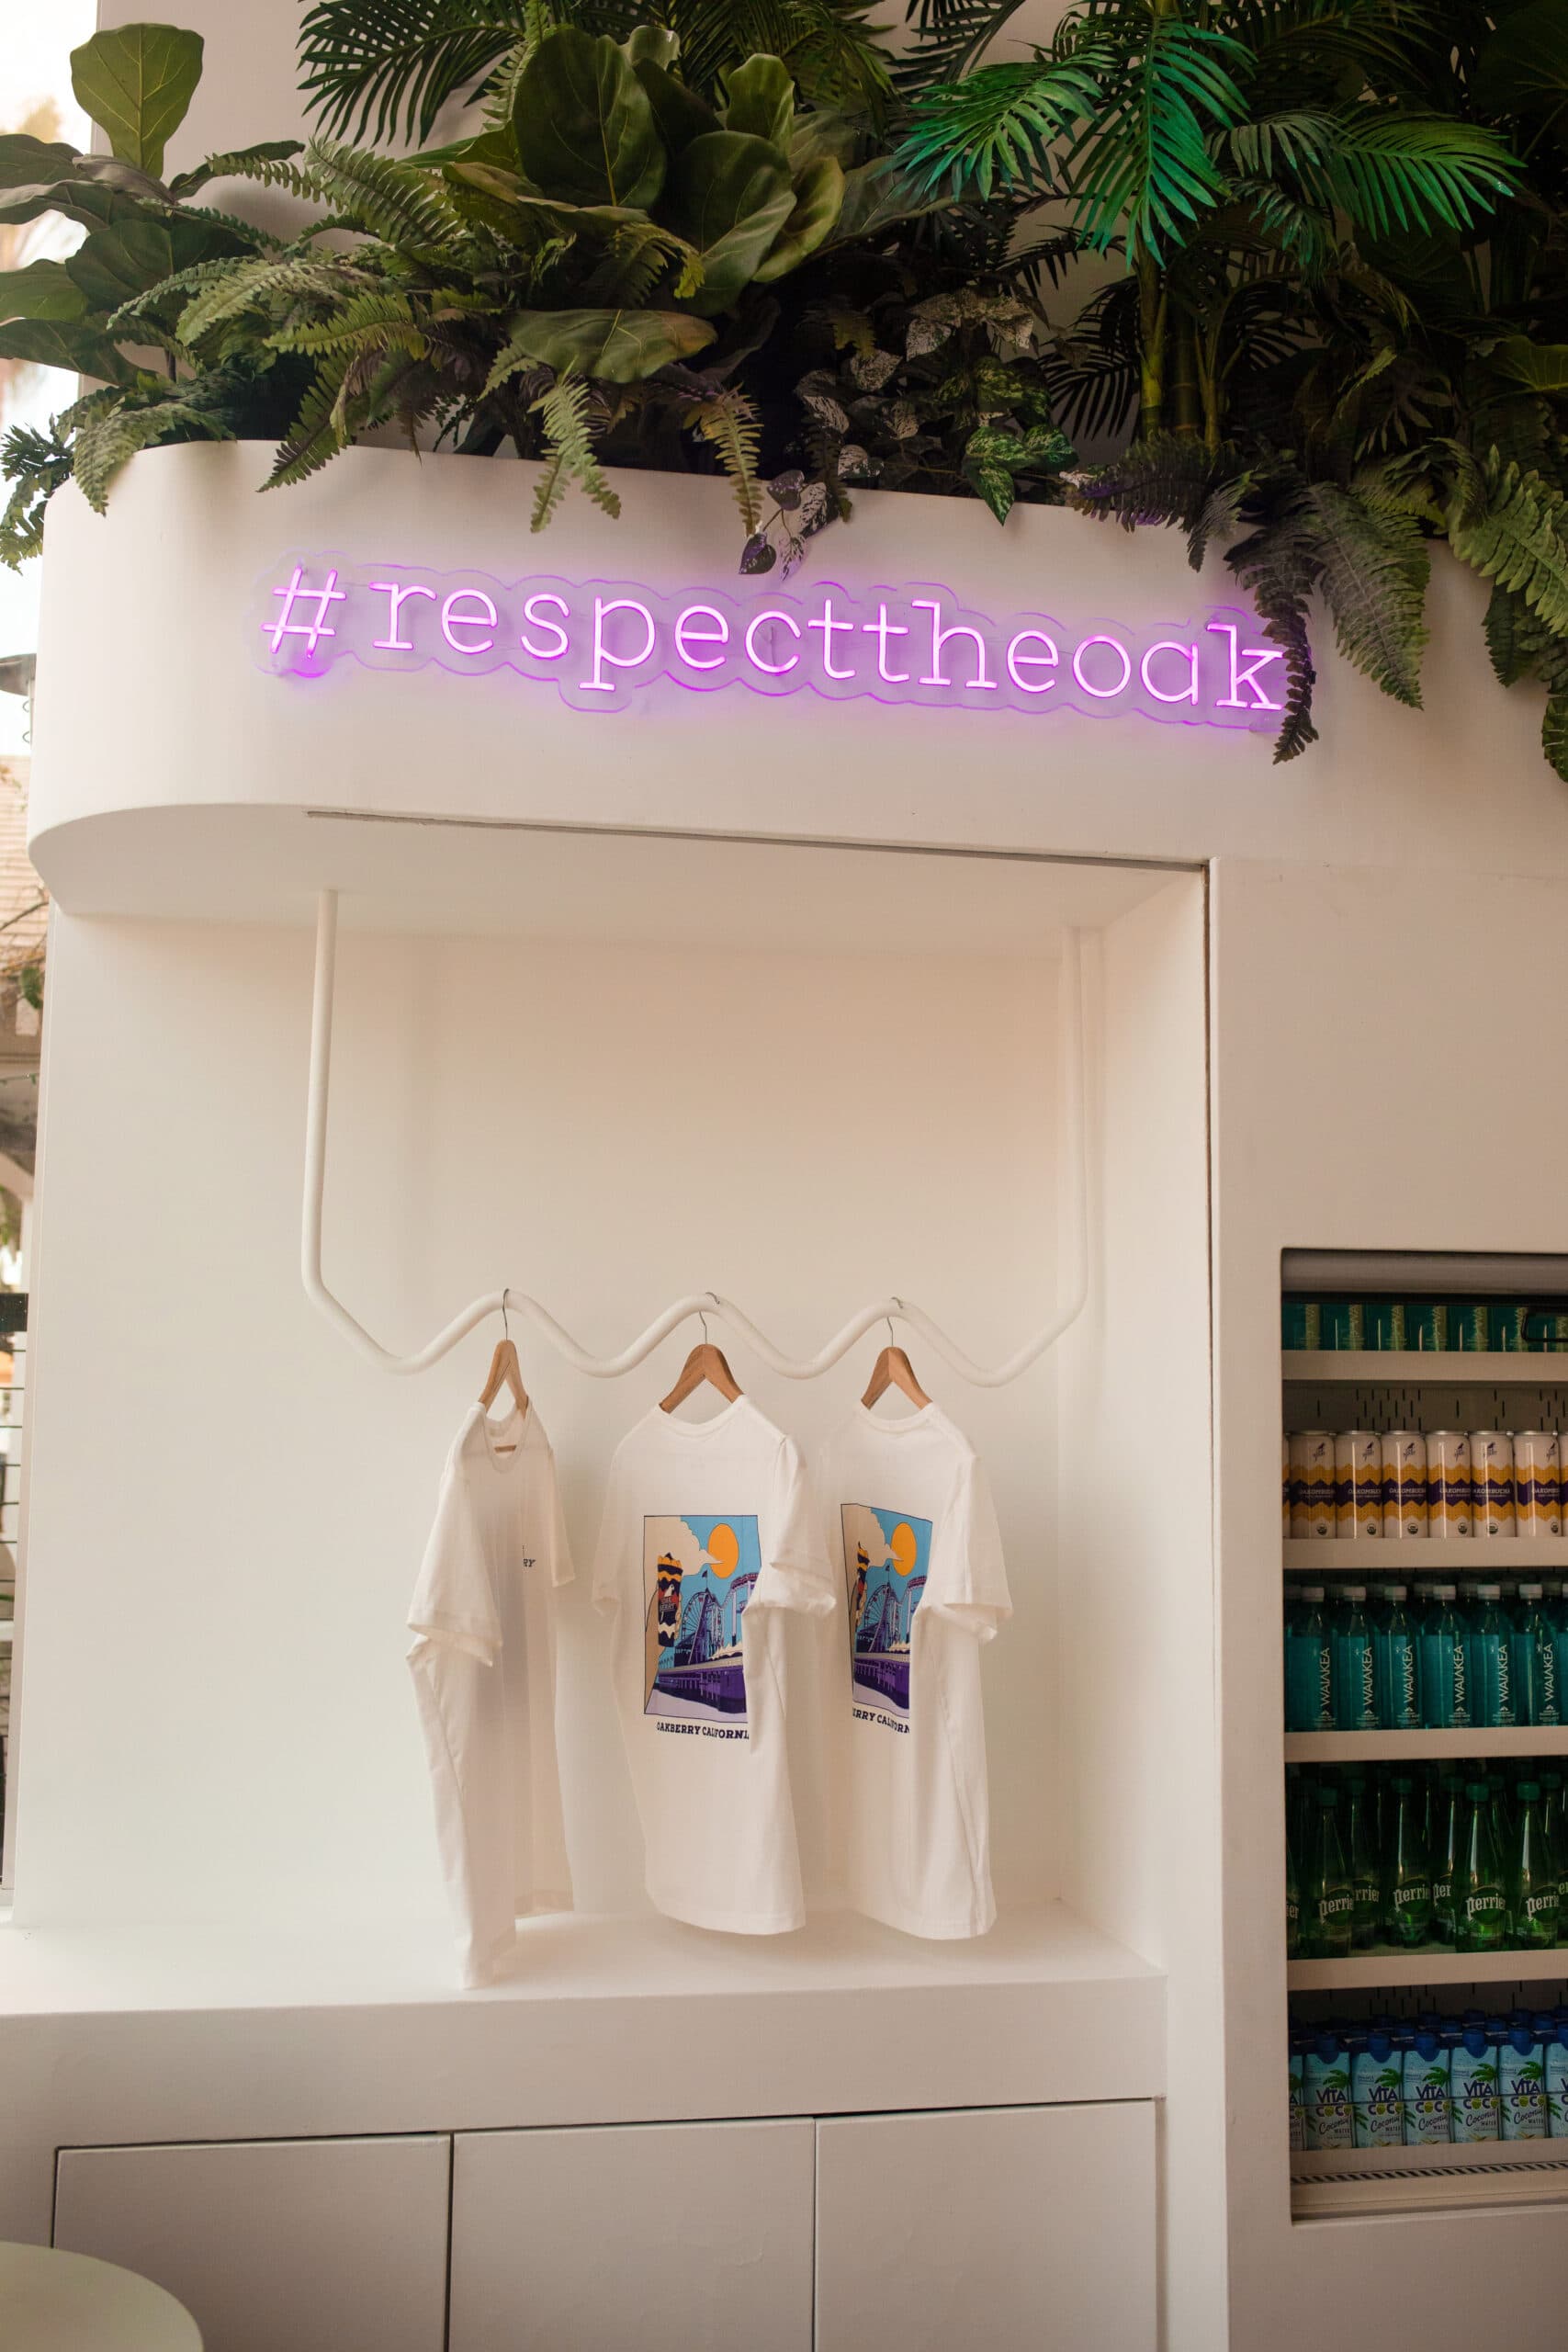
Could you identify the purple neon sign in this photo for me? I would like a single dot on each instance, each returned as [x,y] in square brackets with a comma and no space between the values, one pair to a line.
[603,643]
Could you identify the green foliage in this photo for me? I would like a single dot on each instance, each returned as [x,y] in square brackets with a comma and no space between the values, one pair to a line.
[137,83]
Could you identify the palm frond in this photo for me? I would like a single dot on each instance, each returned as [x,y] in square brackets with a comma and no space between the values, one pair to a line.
[1392,169]
[1142,165]
[950,39]
[996,128]
[385,68]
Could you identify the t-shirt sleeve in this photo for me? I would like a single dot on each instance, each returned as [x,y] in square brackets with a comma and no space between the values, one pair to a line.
[452,1603]
[562,1570]
[968,1582]
[795,1573]
[607,1554]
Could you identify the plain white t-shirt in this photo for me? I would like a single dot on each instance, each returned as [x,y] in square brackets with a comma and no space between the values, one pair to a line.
[912,1525]
[709,1532]
[484,1661]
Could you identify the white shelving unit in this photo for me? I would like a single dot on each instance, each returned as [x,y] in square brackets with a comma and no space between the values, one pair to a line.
[1401,1367]
[1421,1747]
[1504,1555]
[1326,2183]
[1437,1966]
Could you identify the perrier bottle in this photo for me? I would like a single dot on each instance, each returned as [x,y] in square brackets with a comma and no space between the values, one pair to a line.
[1479,1898]
[1327,1902]
[1532,1875]
[1406,1873]
[1361,1850]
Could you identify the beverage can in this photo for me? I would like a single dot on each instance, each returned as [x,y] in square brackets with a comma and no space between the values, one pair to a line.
[1285,1483]
[1537,1483]
[1312,1482]
[1546,1331]
[1491,1483]
[1358,1485]
[1300,1323]
[1404,1483]
[1448,1506]
[1509,1335]
[1343,1323]
[1470,1325]
[1427,1326]
[1383,1322]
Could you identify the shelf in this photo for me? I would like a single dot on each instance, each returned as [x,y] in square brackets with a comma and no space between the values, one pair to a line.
[1440,1966]
[1450,1556]
[1327,2182]
[1414,1747]
[1354,1367]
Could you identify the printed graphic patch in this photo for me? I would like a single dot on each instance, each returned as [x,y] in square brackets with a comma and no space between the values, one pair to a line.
[698,1573]
[886,1556]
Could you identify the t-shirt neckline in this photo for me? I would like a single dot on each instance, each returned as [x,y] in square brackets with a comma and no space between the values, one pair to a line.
[867,1417]
[658,1418]
[500,1461]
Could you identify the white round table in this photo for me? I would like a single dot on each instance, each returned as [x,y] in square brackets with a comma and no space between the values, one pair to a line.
[50,2300]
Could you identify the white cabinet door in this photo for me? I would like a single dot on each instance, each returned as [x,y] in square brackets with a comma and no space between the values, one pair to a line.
[670,2237]
[1027,2229]
[276,2246]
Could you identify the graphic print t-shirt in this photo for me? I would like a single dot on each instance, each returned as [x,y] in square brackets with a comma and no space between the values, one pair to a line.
[484,1661]
[709,1532]
[912,1525]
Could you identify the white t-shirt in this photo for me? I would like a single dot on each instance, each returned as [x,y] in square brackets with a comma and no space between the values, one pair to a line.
[911,1524]
[709,1532]
[483,1662]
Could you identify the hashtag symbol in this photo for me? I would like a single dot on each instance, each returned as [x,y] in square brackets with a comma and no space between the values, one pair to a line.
[296,592]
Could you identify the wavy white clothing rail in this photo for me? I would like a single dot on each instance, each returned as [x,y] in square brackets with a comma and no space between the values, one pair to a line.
[708,1303]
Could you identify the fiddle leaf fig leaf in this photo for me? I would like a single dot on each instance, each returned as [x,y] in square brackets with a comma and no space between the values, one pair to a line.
[31,163]
[651,45]
[759,99]
[818,196]
[584,124]
[73,344]
[120,260]
[136,83]
[680,114]
[43,290]
[615,346]
[729,196]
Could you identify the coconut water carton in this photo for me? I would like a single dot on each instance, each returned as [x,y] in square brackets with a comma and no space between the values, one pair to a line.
[1377,2093]
[1473,2081]
[1298,2093]
[1428,2120]
[1521,2083]
[1327,2084]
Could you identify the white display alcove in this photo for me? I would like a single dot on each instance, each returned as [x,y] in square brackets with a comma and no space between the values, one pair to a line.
[693,995]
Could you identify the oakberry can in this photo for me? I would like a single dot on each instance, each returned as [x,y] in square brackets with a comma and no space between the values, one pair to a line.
[1312,1482]
[1450,1509]
[1358,1484]
[1285,1527]
[1491,1483]
[1546,1331]
[1537,1483]
[1404,1483]
[1509,1335]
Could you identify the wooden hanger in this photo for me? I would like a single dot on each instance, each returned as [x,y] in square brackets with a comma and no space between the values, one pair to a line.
[893,1370]
[705,1363]
[505,1372]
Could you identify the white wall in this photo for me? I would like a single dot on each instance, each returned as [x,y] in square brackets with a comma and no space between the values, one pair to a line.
[227,1507]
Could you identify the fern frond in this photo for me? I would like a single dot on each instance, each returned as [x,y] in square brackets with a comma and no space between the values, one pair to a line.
[312,440]
[1166,479]
[1511,526]
[377,321]
[103,442]
[730,424]
[260,285]
[1373,570]
[569,451]
[1278,566]
[404,204]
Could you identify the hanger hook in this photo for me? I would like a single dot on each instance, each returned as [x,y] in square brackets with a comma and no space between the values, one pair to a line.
[505,1326]
[702,1320]
[892,1335]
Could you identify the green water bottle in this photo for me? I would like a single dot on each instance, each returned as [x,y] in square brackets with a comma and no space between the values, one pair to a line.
[1407,1875]
[1366,1875]
[1533,1891]
[1292,1902]
[1553,1821]
[1448,1855]
[1480,1898]
[1327,1900]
